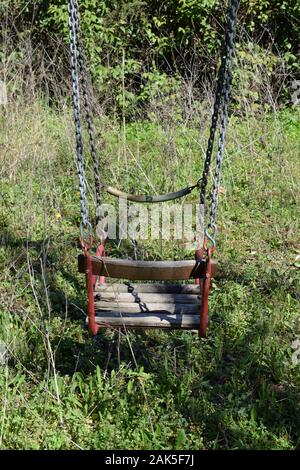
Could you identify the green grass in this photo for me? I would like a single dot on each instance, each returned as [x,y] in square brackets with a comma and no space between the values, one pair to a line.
[61,389]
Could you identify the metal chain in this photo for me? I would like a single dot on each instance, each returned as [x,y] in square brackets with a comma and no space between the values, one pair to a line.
[220,108]
[79,72]
[88,108]
[85,224]
[212,132]
[137,299]
[229,41]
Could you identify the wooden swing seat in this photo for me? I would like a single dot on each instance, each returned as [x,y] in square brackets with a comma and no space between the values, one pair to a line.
[146,270]
[167,306]
[158,306]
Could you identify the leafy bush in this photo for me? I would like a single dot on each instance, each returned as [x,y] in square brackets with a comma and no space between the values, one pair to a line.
[134,41]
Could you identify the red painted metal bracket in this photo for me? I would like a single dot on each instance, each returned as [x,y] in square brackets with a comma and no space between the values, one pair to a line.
[205,288]
[99,252]
[199,257]
[92,325]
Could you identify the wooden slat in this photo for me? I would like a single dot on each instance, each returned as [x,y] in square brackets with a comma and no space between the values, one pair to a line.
[146,270]
[124,297]
[192,289]
[142,320]
[171,308]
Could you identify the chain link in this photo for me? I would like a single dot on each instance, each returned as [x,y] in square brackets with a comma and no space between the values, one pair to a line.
[137,299]
[85,224]
[80,81]
[88,108]
[220,112]
[220,109]
[212,132]
[229,41]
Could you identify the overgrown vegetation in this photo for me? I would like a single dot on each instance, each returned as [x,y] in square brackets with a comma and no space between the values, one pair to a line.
[149,45]
[152,65]
[237,389]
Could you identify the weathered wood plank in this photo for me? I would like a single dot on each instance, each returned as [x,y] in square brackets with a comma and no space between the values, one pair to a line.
[146,298]
[191,289]
[143,320]
[171,308]
[146,270]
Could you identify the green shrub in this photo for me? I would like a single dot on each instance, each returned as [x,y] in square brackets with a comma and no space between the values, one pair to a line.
[141,41]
